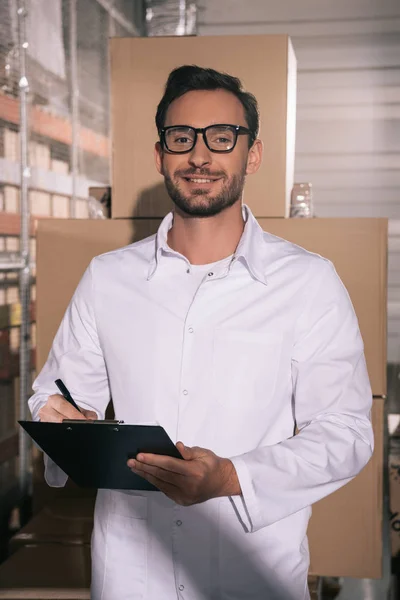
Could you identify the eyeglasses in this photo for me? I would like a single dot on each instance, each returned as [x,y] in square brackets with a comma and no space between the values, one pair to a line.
[179,139]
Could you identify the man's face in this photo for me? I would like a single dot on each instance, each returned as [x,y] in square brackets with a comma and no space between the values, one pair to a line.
[203,183]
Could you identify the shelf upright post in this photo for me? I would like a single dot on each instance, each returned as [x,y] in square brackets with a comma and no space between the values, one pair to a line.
[74,95]
[25,269]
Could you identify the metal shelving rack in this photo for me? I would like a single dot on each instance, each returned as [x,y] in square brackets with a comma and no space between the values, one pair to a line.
[72,135]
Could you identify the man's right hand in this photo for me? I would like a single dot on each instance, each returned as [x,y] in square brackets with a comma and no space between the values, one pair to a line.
[57,409]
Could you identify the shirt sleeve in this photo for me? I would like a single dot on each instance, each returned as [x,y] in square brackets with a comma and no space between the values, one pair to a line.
[76,357]
[332,402]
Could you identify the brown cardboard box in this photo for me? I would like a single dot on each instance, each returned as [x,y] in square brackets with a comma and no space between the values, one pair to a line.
[39,155]
[40,203]
[38,572]
[345,531]
[11,199]
[139,69]
[65,521]
[59,166]
[394,487]
[60,206]
[9,144]
[345,536]
[358,249]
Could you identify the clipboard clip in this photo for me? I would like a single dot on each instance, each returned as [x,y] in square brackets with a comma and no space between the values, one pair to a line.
[94,422]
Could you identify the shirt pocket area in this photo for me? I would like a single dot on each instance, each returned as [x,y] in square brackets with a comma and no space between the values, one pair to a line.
[126,547]
[245,368]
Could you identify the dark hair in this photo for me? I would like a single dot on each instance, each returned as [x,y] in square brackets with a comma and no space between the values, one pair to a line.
[191,78]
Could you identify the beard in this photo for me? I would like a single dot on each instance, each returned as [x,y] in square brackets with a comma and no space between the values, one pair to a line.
[231,192]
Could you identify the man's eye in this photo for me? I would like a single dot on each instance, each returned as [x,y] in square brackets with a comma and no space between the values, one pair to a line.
[223,140]
[182,140]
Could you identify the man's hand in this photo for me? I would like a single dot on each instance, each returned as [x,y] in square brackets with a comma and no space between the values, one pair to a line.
[57,409]
[200,476]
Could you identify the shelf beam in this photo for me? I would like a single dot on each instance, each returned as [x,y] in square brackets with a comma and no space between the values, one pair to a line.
[46,181]
[54,127]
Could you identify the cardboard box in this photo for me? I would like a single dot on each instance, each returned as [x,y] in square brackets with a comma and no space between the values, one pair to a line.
[394,490]
[266,64]
[11,199]
[84,240]
[358,249]
[66,521]
[82,209]
[40,203]
[10,314]
[12,295]
[9,141]
[12,243]
[60,206]
[38,572]
[39,155]
[59,166]
[345,530]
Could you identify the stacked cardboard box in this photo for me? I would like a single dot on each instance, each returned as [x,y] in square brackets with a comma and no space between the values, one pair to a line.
[9,144]
[266,64]
[345,530]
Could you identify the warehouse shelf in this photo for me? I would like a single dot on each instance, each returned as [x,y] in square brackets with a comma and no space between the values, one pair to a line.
[54,127]
[8,447]
[46,181]
[10,367]
[10,224]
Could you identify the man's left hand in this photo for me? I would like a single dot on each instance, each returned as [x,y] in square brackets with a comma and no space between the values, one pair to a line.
[200,476]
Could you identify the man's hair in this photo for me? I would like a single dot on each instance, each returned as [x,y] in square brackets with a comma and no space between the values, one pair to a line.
[190,78]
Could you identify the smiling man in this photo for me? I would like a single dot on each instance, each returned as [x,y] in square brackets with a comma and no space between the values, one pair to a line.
[230,338]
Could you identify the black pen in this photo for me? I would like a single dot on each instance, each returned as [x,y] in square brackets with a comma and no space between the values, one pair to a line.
[66,394]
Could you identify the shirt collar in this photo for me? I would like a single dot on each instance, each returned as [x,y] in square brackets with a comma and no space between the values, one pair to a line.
[249,249]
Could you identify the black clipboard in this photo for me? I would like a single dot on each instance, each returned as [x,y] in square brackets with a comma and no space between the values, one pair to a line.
[94,453]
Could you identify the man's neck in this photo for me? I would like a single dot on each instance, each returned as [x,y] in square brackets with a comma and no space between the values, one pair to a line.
[204,240]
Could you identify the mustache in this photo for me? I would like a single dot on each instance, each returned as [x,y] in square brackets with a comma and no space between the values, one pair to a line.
[202,172]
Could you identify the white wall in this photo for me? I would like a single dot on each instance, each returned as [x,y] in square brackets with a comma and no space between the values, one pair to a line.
[348,113]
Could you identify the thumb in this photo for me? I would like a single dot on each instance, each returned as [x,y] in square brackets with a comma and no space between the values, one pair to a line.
[89,414]
[186,451]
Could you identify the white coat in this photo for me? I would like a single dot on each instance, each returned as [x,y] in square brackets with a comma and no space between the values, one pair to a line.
[231,357]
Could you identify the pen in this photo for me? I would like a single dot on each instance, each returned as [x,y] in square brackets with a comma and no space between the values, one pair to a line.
[63,389]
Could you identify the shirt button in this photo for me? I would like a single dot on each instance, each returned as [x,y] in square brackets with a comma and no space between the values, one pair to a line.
[181,587]
[191,329]
[178,522]
[185,392]
[187,270]
[210,274]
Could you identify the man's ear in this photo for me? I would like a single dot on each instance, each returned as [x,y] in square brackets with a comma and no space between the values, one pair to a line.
[254,157]
[158,155]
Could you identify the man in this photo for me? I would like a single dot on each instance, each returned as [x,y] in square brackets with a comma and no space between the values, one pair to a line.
[230,338]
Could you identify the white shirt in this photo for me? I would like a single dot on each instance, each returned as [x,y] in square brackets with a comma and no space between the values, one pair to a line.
[230,357]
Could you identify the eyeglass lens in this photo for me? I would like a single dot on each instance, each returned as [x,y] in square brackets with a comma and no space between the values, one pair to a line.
[182,139]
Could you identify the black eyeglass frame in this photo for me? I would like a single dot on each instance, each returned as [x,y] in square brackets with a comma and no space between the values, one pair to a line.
[238,129]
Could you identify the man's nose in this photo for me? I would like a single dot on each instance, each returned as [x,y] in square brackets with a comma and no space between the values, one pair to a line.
[200,155]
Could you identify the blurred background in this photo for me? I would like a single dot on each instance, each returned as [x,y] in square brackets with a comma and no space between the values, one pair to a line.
[55,109]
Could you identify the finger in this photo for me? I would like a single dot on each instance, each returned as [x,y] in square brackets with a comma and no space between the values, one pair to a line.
[58,403]
[166,476]
[186,451]
[175,465]
[167,488]
[50,415]
[89,414]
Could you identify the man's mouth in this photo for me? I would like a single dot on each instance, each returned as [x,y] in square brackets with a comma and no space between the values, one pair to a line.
[200,180]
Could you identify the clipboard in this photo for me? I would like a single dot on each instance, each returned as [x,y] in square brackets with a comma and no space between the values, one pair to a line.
[94,453]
